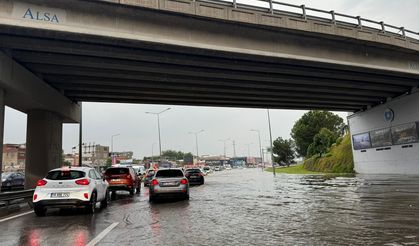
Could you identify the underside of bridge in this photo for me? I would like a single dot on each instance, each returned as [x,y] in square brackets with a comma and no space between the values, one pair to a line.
[100,69]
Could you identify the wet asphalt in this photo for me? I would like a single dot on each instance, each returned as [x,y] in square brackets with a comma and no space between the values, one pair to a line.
[243,207]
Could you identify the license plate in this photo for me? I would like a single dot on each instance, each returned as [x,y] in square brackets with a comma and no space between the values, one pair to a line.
[194,176]
[115,180]
[169,183]
[60,195]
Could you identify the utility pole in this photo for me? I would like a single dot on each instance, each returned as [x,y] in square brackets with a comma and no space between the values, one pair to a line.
[260,146]
[158,126]
[224,141]
[196,143]
[234,148]
[270,136]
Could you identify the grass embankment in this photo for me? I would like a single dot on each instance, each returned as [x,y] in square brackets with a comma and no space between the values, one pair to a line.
[297,169]
[338,160]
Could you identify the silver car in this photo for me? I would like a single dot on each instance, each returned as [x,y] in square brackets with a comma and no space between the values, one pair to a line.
[169,183]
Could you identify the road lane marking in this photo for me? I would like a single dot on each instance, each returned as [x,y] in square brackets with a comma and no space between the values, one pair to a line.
[15,216]
[102,234]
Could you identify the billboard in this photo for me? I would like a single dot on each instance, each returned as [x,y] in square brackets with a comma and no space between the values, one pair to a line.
[361,141]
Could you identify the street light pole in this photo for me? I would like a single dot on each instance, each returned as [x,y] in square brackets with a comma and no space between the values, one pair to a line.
[158,125]
[224,141]
[260,146]
[196,143]
[270,136]
[112,142]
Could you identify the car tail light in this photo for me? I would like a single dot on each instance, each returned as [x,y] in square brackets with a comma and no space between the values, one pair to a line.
[86,195]
[35,196]
[41,182]
[128,176]
[184,181]
[154,182]
[82,182]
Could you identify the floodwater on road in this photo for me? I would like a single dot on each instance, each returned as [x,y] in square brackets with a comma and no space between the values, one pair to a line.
[243,207]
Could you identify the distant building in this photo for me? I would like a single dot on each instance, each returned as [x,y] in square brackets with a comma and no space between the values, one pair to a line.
[14,157]
[122,156]
[92,154]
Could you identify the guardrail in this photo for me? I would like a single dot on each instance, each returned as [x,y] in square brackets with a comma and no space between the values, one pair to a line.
[7,198]
[307,13]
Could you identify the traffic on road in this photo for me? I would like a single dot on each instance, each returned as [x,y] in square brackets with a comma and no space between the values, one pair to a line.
[237,207]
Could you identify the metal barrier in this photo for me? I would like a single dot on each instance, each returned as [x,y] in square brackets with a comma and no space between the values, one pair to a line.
[306,13]
[7,198]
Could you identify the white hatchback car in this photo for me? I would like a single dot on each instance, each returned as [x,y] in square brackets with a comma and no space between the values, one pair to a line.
[73,187]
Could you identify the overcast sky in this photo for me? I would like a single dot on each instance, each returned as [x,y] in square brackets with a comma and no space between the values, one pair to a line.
[138,131]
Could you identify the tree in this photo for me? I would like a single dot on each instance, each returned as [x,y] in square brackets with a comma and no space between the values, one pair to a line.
[188,158]
[322,142]
[310,124]
[284,151]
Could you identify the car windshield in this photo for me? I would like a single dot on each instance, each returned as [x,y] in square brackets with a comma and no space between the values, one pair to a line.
[65,175]
[111,171]
[206,168]
[193,171]
[169,173]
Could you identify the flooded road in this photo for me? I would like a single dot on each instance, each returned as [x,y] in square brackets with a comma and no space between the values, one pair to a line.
[243,207]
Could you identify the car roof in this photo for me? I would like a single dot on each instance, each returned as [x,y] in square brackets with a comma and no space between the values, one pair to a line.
[162,169]
[84,169]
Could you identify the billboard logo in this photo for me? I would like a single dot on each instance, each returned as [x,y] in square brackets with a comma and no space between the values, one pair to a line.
[388,115]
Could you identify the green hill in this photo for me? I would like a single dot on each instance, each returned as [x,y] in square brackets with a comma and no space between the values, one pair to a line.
[338,160]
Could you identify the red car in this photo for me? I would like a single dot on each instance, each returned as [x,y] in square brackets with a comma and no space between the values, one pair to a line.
[122,178]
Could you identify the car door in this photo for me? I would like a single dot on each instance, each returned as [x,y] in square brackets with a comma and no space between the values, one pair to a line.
[98,186]
[103,183]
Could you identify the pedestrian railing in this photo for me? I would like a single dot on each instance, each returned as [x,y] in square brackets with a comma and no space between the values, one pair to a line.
[306,13]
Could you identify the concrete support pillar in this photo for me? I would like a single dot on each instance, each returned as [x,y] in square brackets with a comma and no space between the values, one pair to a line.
[43,145]
[1,129]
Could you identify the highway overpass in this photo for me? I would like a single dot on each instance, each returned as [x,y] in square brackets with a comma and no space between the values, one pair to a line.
[56,53]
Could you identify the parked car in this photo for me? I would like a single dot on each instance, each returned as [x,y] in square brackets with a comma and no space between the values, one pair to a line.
[148,177]
[11,181]
[169,183]
[217,168]
[195,176]
[70,188]
[122,178]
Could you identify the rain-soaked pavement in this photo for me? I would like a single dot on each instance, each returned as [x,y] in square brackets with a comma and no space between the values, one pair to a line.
[243,207]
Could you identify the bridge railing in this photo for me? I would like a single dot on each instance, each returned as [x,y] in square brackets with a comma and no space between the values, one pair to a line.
[307,13]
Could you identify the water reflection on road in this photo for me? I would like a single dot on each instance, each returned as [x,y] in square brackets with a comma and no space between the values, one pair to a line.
[247,207]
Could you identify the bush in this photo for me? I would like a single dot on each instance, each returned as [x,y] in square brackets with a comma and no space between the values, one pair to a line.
[338,160]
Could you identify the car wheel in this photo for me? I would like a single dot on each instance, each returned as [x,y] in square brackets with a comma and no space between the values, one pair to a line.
[91,207]
[151,198]
[104,202]
[40,211]
[132,191]
[113,195]
[187,197]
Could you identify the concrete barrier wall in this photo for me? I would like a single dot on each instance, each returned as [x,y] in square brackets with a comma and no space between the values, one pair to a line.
[394,158]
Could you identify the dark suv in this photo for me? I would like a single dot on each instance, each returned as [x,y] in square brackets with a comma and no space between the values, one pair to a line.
[195,176]
[122,178]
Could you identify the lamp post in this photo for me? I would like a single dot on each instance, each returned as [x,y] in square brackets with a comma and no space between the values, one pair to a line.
[260,145]
[270,137]
[158,126]
[152,152]
[196,142]
[224,141]
[112,154]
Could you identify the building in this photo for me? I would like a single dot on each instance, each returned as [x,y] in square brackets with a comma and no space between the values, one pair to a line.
[122,156]
[92,154]
[14,156]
